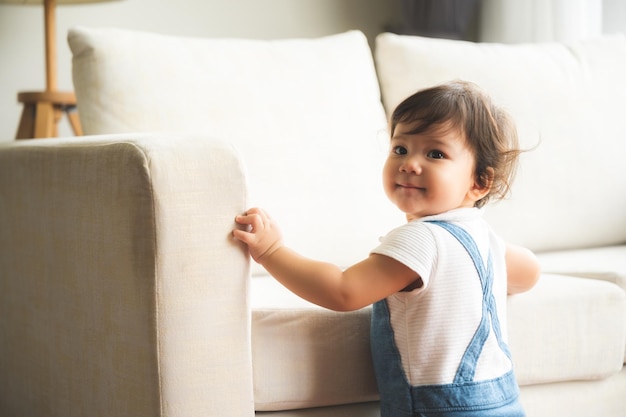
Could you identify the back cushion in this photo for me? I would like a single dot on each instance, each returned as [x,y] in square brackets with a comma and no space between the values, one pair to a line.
[305,114]
[568,102]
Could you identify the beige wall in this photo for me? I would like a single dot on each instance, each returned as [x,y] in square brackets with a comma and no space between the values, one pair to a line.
[22,45]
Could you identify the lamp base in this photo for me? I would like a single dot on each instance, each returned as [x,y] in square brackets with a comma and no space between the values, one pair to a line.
[43,110]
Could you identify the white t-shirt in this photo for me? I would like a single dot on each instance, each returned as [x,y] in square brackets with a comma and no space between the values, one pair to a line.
[434,324]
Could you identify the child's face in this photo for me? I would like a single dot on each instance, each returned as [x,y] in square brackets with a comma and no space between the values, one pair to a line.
[430,173]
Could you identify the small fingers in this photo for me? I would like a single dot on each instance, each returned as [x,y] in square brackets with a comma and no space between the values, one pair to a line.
[244,236]
[253,221]
[243,219]
[254,218]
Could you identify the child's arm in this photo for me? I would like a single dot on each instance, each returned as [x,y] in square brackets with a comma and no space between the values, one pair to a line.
[522,269]
[322,283]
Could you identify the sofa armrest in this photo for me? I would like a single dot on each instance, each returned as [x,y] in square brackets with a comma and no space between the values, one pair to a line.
[121,290]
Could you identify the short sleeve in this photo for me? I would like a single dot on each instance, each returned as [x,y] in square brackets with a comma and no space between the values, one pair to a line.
[413,245]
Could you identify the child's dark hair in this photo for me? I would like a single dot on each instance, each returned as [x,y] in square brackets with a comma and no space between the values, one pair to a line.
[489,130]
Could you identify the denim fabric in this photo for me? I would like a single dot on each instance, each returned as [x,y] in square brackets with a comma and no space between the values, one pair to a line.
[463,397]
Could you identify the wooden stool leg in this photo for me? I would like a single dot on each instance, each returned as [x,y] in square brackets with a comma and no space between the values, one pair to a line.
[72,116]
[26,128]
[44,120]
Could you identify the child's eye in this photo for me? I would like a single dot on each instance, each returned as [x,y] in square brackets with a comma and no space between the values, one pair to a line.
[399,150]
[436,154]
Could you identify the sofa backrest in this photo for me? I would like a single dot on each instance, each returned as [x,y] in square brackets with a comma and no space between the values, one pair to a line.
[568,102]
[307,118]
[305,115]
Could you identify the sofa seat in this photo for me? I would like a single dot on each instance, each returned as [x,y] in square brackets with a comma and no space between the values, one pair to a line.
[559,399]
[581,339]
[605,263]
[304,355]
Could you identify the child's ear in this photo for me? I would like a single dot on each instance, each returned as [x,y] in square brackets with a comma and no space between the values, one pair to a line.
[482,185]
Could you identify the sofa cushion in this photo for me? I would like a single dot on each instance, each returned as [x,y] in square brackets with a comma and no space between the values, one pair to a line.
[305,114]
[306,356]
[576,398]
[607,263]
[567,329]
[567,100]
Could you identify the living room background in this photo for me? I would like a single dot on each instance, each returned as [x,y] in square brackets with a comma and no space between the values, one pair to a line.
[22,36]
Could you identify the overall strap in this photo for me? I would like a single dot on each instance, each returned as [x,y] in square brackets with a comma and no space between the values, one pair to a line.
[467,368]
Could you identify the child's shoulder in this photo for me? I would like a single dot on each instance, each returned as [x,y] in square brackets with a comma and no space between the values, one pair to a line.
[412,236]
[428,228]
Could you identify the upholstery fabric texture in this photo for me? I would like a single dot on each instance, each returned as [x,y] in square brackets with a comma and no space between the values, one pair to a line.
[122,274]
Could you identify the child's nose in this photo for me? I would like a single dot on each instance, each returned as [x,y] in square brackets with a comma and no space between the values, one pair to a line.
[411,165]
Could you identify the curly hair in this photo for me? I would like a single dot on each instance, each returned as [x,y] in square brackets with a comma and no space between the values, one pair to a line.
[488,129]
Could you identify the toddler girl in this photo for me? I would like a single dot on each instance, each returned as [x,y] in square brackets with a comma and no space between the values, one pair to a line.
[438,283]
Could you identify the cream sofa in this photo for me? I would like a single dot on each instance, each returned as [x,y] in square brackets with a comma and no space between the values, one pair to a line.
[123,293]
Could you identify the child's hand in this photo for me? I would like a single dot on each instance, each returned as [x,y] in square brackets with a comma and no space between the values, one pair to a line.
[262,234]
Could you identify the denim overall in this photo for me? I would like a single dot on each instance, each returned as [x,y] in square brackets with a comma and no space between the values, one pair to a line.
[463,397]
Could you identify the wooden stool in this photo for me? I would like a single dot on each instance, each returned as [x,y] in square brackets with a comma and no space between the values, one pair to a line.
[43,110]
